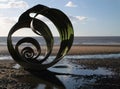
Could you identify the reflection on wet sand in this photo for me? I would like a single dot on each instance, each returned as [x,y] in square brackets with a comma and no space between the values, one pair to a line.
[67,74]
[43,80]
[49,81]
[73,76]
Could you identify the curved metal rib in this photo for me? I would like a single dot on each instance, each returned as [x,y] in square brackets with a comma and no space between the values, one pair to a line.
[26,57]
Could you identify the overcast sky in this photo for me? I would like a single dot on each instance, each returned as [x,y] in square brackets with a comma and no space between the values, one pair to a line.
[89,17]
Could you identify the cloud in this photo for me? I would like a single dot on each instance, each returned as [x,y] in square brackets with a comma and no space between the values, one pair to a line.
[7,0]
[5,24]
[82,19]
[3,0]
[70,4]
[7,20]
[13,4]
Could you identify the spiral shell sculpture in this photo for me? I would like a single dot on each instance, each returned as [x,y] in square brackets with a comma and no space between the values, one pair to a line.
[27,57]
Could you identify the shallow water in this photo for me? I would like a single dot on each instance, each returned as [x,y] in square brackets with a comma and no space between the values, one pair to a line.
[75,69]
[94,56]
[72,76]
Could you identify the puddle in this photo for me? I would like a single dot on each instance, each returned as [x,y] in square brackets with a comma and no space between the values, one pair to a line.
[76,77]
[70,68]
[72,76]
[68,75]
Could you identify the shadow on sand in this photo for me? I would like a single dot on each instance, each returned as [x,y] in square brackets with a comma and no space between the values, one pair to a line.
[50,80]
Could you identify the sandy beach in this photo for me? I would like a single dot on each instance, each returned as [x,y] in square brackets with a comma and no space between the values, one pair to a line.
[12,78]
[94,49]
[79,49]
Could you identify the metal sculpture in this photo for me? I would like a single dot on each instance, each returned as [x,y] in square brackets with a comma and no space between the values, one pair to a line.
[27,57]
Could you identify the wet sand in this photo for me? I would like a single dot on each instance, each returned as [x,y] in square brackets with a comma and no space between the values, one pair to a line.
[78,49]
[11,78]
[94,49]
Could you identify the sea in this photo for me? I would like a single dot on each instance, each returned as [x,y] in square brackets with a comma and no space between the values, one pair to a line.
[88,40]
[104,40]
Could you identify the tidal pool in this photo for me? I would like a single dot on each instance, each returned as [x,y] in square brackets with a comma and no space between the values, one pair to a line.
[66,75]
[69,75]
